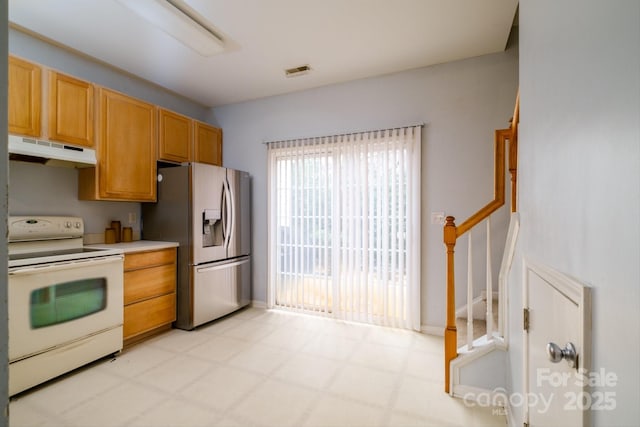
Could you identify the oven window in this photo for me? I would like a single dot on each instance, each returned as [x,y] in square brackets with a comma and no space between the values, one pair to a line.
[67,301]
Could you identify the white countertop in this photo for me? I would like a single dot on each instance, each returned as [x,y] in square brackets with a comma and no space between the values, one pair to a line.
[136,246]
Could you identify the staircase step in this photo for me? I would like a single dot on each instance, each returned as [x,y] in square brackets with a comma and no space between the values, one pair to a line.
[479,326]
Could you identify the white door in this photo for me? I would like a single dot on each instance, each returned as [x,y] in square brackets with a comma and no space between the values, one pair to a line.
[558,313]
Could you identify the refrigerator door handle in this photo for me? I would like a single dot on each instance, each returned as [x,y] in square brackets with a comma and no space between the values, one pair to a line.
[224,214]
[223,265]
[229,212]
[232,212]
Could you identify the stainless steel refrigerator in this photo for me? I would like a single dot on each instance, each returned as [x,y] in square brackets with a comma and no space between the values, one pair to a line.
[207,210]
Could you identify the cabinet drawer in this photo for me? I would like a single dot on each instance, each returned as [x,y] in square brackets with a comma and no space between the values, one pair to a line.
[149,259]
[149,314]
[149,282]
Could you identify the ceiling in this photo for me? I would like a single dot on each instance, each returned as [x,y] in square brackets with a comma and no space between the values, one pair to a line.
[340,40]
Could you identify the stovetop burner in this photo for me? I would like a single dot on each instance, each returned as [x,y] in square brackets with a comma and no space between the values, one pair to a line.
[36,240]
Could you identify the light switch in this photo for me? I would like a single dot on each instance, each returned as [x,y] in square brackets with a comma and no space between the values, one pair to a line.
[437,218]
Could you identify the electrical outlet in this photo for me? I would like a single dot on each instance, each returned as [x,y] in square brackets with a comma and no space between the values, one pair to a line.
[437,218]
[132,218]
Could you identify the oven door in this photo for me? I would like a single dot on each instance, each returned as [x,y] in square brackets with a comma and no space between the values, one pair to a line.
[58,303]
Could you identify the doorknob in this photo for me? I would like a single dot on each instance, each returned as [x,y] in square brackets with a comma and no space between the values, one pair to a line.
[568,353]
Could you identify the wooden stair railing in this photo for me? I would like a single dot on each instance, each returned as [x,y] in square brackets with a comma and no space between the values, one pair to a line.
[452,232]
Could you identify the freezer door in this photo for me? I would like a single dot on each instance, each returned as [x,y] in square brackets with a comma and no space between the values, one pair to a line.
[240,228]
[220,288]
[210,213]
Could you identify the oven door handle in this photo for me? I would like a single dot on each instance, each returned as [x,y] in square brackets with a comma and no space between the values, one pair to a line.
[60,265]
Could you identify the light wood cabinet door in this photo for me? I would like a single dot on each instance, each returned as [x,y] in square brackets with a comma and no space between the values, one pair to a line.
[145,316]
[149,293]
[25,97]
[71,115]
[174,137]
[138,260]
[207,144]
[149,283]
[126,167]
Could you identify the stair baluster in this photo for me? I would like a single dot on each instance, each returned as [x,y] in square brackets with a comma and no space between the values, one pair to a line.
[489,315]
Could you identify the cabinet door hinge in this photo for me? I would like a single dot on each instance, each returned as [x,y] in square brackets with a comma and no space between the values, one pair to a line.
[525,319]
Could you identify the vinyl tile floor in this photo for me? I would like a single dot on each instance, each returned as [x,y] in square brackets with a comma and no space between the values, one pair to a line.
[259,368]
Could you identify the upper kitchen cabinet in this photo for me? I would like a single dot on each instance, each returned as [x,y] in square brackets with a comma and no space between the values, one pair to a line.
[174,137]
[207,144]
[25,97]
[126,168]
[71,115]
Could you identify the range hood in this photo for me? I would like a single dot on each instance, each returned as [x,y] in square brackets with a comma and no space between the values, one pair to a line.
[50,153]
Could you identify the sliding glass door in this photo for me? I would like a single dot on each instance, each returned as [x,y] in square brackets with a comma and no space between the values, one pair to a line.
[304,224]
[344,226]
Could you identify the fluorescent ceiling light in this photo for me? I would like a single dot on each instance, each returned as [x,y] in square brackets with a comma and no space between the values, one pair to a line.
[174,18]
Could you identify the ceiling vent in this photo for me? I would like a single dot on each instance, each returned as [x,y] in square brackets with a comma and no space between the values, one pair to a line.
[297,71]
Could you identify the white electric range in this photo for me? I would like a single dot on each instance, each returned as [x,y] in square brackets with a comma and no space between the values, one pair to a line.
[65,301]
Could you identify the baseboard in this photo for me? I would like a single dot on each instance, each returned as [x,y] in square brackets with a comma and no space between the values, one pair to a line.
[479,307]
[432,330]
[258,304]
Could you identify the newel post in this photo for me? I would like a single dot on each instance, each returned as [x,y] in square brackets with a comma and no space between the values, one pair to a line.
[450,333]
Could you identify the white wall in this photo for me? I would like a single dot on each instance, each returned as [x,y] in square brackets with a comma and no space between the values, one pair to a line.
[579,165]
[461,104]
[47,190]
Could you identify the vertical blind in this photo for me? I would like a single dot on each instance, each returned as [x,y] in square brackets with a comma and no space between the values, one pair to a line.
[344,226]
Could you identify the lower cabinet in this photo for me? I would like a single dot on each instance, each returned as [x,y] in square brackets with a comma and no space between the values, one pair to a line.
[149,293]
